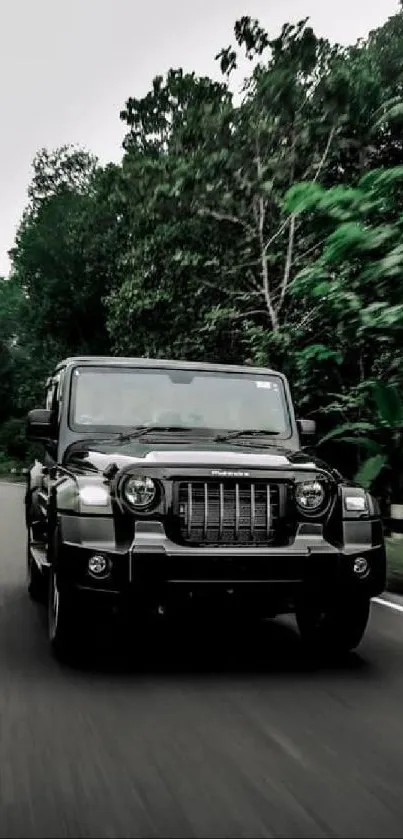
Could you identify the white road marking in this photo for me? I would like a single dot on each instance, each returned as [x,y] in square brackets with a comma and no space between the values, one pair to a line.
[396,606]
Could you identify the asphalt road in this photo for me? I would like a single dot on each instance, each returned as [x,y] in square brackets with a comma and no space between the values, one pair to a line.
[225,742]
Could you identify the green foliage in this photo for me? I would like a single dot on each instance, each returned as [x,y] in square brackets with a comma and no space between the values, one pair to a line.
[371,469]
[267,229]
[57,258]
[13,442]
[386,443]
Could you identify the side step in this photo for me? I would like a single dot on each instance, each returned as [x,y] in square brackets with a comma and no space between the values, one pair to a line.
[38,551]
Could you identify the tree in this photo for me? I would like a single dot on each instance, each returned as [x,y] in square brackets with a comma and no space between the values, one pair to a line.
[163,303]
[58,260]
[276,139]
[358,273]
[356,281]
[190,248]
[10,307]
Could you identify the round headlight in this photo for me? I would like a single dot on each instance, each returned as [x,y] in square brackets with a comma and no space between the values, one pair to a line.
[310,495]
[140,491]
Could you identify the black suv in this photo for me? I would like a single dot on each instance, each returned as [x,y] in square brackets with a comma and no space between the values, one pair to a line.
[167,485]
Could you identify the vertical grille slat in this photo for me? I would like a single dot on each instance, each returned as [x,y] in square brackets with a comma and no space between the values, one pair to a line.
[252,509]
[205,521]
[237,510]
[221,511]
[268,510]
[189,510]
[229,512]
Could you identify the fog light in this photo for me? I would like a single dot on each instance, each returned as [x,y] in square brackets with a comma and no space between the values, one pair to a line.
[361,566]
[99,566]
[356,503]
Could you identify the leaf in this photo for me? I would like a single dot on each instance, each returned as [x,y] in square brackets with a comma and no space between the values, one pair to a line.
[347,428]
[390,115]
[303,197]
[389,403]
[345,241]
[376,178]
[319,352]
[360,442]
[370,470]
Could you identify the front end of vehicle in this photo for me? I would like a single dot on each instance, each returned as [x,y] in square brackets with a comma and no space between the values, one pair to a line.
[162,535]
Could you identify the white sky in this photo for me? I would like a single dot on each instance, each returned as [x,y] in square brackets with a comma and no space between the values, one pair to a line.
[67,68]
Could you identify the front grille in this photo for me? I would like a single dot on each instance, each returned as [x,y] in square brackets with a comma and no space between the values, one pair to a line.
[229,513]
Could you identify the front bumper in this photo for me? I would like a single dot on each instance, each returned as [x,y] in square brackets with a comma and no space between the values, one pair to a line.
[153,568]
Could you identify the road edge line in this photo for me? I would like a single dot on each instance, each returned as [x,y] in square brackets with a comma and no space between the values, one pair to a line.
[381,602]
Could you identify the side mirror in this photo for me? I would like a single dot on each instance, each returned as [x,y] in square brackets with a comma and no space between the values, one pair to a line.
[306,427]
[39,425]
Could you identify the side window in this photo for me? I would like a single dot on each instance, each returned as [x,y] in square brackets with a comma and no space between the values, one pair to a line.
[49,395]
[59,395]
[54,396]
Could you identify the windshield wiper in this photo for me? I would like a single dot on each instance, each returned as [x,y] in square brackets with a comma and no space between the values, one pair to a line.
[141,430]
[245,432]
[126,436]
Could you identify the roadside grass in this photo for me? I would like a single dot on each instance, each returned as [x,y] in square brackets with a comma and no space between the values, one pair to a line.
[394,552]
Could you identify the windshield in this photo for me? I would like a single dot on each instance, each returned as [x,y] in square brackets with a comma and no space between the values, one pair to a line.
[109,399]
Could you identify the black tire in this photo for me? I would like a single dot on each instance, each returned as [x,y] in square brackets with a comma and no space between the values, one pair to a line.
[62,617]
[36,582]
[338,629]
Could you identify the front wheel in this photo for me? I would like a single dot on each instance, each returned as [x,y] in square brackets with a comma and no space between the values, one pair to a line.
[338,629]
[61,620]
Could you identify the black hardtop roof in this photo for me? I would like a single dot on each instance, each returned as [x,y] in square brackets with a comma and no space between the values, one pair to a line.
[161,363]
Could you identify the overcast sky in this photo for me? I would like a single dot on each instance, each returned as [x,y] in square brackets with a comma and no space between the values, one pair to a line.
[67,68]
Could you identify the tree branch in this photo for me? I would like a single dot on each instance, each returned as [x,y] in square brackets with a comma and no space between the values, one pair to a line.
[312,249]
[278,233]
[288,261]
[266,289]
[263,251]
[292,219]
[291,235]
[205,211]
[308,317]
[240,315]
[324,156]
[325,153]
[229,292]
[234,269]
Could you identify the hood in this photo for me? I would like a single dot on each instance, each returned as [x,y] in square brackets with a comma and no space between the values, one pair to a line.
[198,454]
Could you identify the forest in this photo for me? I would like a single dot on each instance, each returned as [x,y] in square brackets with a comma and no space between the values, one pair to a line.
[263,226]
